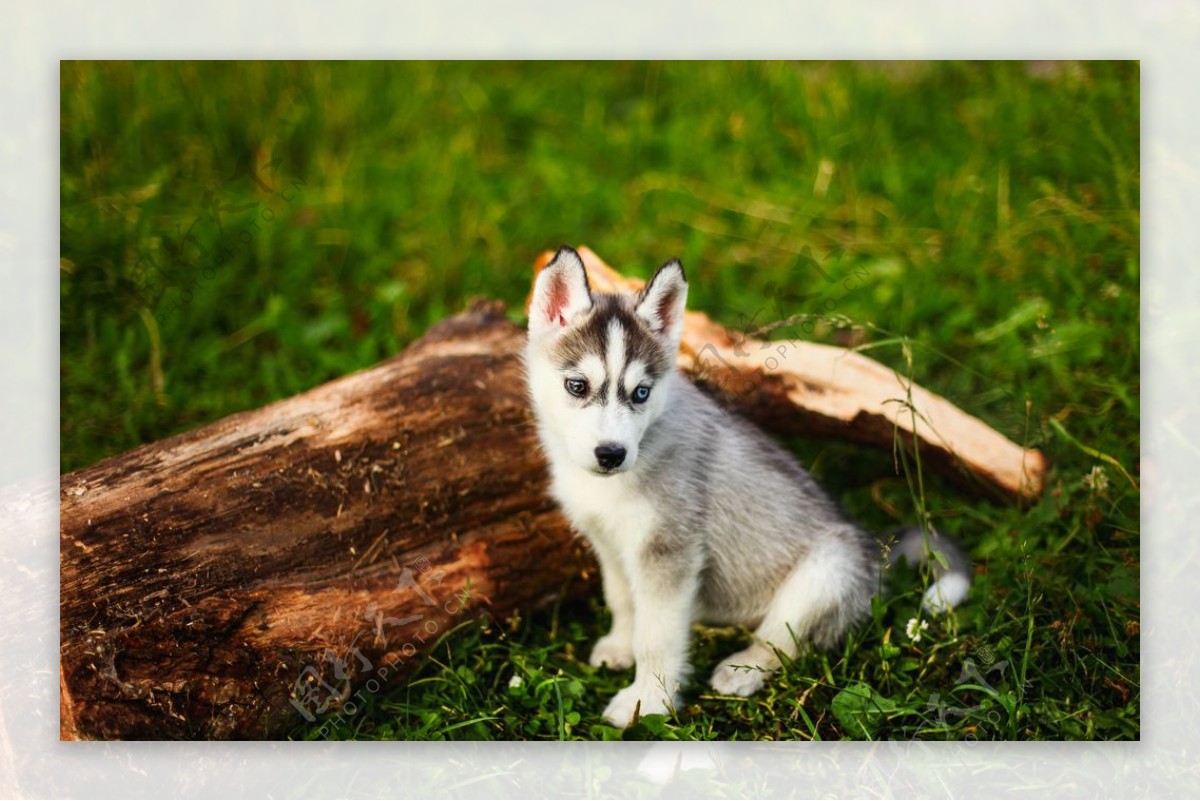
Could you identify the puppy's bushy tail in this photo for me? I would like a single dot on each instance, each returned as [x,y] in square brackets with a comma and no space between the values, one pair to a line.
[948,563]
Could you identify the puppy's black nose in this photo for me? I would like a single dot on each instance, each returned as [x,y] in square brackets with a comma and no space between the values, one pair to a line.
[609,456]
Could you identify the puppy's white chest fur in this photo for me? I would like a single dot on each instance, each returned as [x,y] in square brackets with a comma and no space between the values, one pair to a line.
[609,510]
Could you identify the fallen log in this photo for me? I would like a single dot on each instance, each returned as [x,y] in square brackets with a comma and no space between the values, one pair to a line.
[268,568]
[233,580]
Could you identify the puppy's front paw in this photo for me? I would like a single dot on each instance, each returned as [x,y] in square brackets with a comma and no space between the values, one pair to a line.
[613,651]
[729,679]
[619,711]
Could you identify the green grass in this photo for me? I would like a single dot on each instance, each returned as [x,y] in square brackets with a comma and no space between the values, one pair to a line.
[990,215]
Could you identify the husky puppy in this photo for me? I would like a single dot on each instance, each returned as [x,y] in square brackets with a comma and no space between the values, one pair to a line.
[693,514]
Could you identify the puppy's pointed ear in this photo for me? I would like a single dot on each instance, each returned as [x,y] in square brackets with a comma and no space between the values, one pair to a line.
[560,293]
[662,302]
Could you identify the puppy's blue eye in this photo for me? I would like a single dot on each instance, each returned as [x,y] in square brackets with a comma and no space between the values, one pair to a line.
[577,387]
[641,394]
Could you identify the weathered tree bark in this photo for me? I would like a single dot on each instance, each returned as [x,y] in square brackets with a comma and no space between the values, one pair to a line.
[314,546]
[234,580]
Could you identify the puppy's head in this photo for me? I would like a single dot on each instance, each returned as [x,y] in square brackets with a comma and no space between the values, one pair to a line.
[598,364]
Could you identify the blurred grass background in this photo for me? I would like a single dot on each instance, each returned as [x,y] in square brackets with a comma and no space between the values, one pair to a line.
[234,233]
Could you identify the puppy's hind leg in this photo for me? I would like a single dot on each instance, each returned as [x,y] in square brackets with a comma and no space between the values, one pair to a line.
[825,592]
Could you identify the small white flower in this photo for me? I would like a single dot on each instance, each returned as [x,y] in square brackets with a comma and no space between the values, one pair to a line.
[1097,480]
[515,681]
[913,629]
